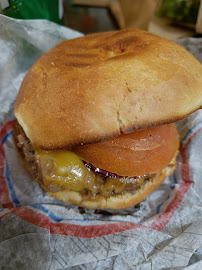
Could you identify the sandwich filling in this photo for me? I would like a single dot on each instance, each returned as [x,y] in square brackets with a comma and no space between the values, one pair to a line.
[58,170]
[63,169]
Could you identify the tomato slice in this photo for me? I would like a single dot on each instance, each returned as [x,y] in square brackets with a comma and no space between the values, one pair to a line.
[133,154]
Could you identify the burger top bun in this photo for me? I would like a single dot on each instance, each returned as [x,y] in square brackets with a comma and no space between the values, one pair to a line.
[91,88]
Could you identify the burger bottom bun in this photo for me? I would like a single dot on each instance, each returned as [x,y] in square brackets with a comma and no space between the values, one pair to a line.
[119,201]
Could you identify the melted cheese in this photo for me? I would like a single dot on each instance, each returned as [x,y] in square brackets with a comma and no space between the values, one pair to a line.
[62,168]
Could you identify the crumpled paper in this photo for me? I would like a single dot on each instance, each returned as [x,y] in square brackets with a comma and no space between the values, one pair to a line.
[38,232]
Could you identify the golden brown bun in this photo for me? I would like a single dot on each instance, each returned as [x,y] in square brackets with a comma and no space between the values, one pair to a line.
[91,88]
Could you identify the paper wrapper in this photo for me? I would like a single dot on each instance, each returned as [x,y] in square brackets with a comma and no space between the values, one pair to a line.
[162,232]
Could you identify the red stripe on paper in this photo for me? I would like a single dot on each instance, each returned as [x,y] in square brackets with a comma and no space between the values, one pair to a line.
[163,219]
[7,127]
[33,217]
[30,216]
[83,231]
[8,213]
[92,231]
[5,199]
[192,136]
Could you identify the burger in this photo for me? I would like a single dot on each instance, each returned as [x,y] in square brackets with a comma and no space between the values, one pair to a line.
[95,116]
